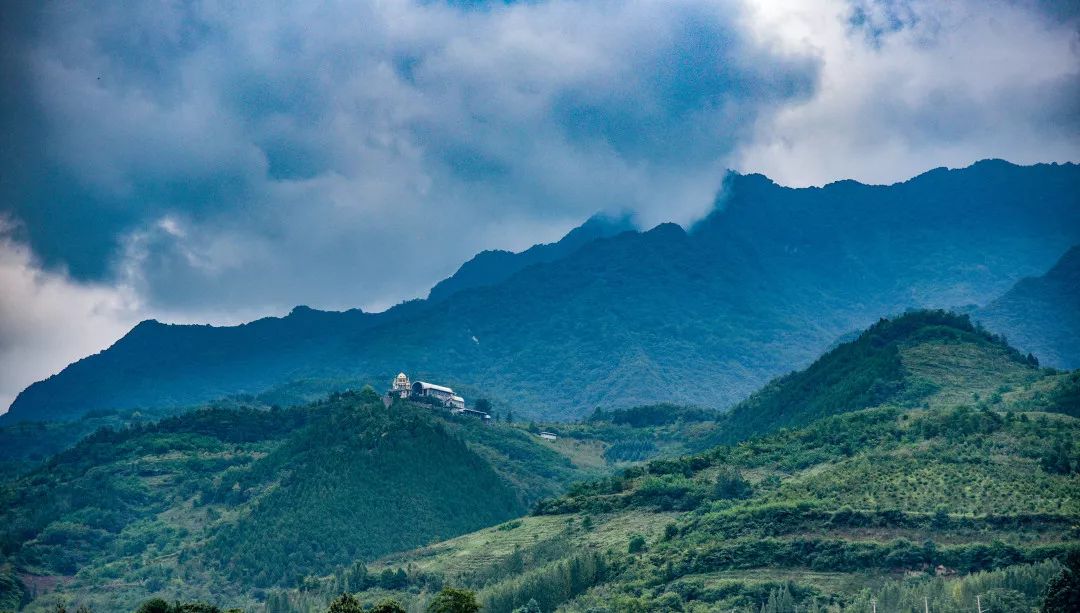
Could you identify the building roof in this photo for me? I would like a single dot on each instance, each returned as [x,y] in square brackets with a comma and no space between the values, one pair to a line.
[472,412]
[431,386]
[457,398]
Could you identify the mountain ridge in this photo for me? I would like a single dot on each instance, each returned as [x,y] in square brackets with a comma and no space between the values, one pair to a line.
[1042,314]
[761,285]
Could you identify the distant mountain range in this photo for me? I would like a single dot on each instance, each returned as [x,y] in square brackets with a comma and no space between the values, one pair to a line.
[704,316]
[1042,314]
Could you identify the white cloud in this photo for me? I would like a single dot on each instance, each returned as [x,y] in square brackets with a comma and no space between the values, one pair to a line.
[919,85]
[47,320]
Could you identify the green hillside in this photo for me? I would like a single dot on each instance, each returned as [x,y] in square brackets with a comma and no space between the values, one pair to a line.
[920,359]
[861,505]
[969,487]
[924,459]
[223,504]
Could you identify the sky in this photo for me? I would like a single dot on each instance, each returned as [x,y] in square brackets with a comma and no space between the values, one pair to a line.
[216,162]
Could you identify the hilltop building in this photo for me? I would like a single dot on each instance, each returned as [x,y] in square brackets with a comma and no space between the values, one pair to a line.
[402,388]
[445,394]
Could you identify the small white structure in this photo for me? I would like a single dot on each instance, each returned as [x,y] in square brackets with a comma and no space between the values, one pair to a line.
[400,388]
[550,436]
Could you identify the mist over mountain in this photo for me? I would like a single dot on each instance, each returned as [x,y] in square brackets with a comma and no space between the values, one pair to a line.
[701,316]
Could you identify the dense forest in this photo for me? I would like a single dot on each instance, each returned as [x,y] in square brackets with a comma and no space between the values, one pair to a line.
[230,502]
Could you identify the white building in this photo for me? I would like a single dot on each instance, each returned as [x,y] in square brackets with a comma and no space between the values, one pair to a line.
[401,387]
[550,436]
[430,390]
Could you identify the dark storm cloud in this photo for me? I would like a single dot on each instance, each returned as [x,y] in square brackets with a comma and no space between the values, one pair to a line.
[188,147]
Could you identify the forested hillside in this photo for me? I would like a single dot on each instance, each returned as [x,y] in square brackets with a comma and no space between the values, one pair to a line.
[920,359]
[957,494]
[227,503]
[762,285]
[1042,314]
[491,267]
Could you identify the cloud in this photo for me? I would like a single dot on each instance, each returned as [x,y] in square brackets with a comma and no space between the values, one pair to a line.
[910,85]
[48,320]
[352,154]
[218,160]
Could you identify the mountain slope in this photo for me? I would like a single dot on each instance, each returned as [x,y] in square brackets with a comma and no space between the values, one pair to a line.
[763,284]
[945,501]
[1042,314]
[232,501]
[920,359]
[491,267]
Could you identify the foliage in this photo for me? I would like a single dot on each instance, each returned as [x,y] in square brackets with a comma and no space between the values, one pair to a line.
[306,522]
[451,600]
[346,603]
[549,586]
[230,501]
[652,415]
[866,372]
[159,605]
[530,607]
[388,605]
[1063,591]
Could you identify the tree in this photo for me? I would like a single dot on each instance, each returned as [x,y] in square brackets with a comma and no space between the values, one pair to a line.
[451,600]
[999,599]
[483,404]
[531,607]
[1063,592]
[346,603]
[637,544]
[154,605]
[388,606]
[1057,459]
[368,395]
[730,485]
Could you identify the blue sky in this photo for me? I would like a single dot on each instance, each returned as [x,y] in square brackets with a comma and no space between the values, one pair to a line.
[218,161]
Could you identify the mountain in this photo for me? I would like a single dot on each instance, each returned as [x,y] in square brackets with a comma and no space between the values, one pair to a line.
[705,316]
[1042,314]
[921,359]
[877,498]
[964,457]
[491,267]
[230,502]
